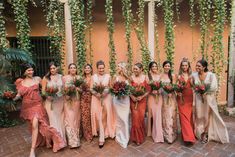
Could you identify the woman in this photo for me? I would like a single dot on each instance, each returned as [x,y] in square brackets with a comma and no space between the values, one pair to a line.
[185,101]
[33,112]
[209,124]
[86,103]
[169,115]
[122,108]
[54,103]
[72,111]
[138,104]
[102,115]
[155,107]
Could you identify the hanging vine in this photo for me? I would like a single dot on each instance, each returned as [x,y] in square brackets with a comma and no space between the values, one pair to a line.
[89,28]
[169,29]
[218,60]
[55,23]
[128,17]
[3,39]
[140,35]
[157,54]
[110,25]
[22,24]
[191,13]
[79,26]
[177,10]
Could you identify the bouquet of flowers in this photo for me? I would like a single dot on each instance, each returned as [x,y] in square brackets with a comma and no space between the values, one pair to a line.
[8,94]
[201,89]
[78,82]
[168,88]
[99,88]
[179,87]
[69,90]
[155,86]
[137,91]
[120,89]
[7,97]
[51,91]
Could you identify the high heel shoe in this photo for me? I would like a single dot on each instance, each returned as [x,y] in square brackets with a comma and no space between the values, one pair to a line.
[101,145]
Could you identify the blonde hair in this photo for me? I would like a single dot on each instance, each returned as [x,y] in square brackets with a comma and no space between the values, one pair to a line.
[189,66]
[123,66]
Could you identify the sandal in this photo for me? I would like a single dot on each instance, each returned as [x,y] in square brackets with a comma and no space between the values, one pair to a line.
[204,138]
[101,145]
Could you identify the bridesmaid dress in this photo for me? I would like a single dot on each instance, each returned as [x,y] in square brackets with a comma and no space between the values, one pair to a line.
[55,107]
[102,115]
[72,116]
[169,115]
[217,130]
[155,116]
[186,112]
[122,108]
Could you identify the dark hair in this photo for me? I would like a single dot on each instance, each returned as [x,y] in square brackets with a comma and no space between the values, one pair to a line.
[100,62]
[71,65]
[139,65]
[169,73]
[150,67]
[24,67]
[204,63]
[90,67]
[48,75]
[189,66]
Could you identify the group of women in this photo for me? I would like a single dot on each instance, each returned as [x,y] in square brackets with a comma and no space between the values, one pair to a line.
[90,113]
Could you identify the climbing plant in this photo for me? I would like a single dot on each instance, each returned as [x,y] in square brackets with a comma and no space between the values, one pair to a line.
[191,12]
[110,26]
[157,49]
[22,24]
[89,28]
[3,39]
[140,35]
[55,23]
[128,17]
[169,29]
[79,26]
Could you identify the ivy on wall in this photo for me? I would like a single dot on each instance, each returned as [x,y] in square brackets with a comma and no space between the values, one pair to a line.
[157,49]
[128,17]
[22,24]
[110,26]
[3,39]
[191,12]
[79,27]
[89,28]
[140,35]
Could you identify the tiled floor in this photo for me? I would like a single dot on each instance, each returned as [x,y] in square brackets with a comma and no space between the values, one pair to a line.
[15,142]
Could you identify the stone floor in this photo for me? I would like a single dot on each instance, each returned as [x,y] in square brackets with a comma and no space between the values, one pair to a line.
[15,142]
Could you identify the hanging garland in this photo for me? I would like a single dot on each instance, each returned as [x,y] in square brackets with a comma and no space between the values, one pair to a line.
[191,13]
[169,29]
[22,24]
[3,39]
[89,28]
[55,23]
[218,60]
[79,26]
[177,10]
[110,25]
[128,17]
[157,54]
[140,35]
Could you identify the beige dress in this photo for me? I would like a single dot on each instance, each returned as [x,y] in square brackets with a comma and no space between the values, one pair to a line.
[169,115]
[102,116]
[217,130]
[72,115]
[55,107]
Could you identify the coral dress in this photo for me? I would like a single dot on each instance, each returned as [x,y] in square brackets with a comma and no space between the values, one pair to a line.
[137,116]
[32,107]
[102,114]
[186,112]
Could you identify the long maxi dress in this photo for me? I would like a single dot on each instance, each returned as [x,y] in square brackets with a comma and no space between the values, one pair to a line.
[185,106]
[55,107]
[32,107]
[86,111]
[155,116]
[102,112]
[137,116]
[169,115]
[72,116]
[217,130]
[122,108]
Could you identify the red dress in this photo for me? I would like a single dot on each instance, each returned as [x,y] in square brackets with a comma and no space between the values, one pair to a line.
[185,113]
[137,116]
[32,107]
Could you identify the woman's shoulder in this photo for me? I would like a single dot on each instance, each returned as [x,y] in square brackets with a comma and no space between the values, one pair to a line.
[37,78]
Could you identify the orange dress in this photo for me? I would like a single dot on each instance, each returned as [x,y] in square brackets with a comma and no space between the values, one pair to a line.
[31,108]
[185,113]
[137,117]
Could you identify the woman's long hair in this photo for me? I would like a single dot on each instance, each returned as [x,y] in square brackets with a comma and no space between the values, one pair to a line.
[48,75]
[123,65]
[189,66]
[24,67]
[170,71]
[71,65]
[204,63]
[150,67]
[84,75]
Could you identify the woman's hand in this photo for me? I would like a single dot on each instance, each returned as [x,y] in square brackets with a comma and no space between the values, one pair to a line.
[169,95]
[133,98]
[98,95]
[50,98]
[179,94]
[67,97]
[155,92]
[78,89]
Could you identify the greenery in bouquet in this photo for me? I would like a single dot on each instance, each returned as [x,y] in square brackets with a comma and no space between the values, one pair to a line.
[120,89]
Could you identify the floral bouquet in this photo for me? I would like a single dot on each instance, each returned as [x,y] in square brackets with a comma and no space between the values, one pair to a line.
[69,90]
[78,82]
[180,86]
[120,89]
[155,86]
[8,94]
[201,89]
[99,88]
[168,88]
[137,91]
[51,91]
